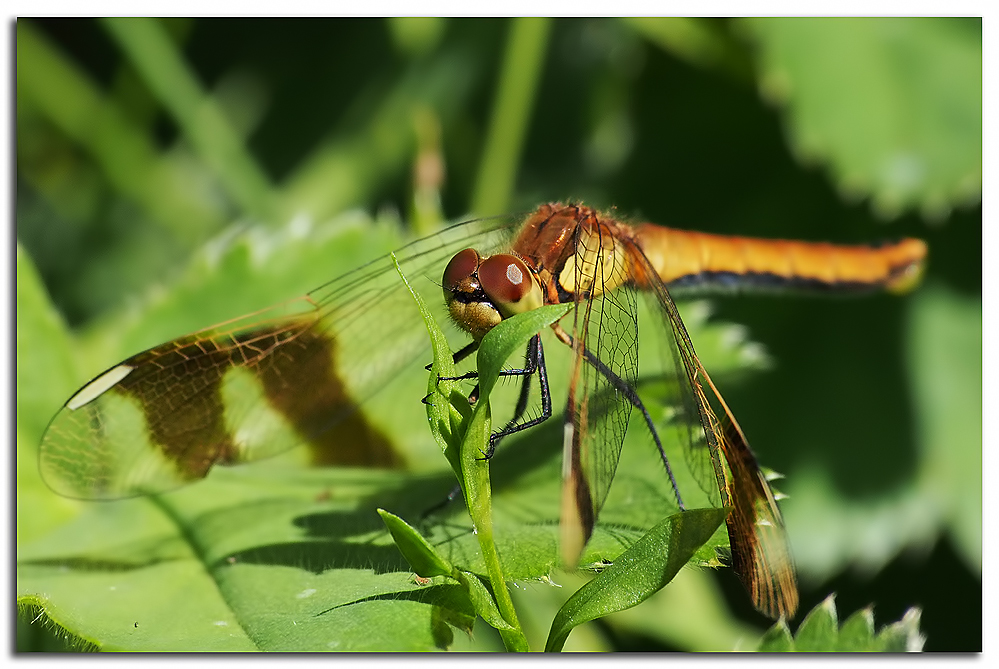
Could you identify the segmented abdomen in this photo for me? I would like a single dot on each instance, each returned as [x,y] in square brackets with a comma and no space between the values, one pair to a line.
[705,262]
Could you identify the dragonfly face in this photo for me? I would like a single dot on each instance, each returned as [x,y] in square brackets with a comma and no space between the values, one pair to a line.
[256,386]
[480,292]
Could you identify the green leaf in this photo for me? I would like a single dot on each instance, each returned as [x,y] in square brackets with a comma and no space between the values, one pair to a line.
[421,556]
[819,630]
[483,602]
[510,337]
[427,563]
[447,409]
[777,639]
[819,633]
[690,615]
[36,632]
[46,375]
[638,573]
[264,558]
[856,633]
[466,461]
[904,635]
[495,348]
[892,105]
[945,354]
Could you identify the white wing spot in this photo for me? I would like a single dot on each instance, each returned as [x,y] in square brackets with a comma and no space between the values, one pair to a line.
[308,592]
[98,386]
[220,623]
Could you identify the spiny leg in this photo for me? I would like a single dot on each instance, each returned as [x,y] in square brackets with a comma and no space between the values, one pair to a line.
[534,360]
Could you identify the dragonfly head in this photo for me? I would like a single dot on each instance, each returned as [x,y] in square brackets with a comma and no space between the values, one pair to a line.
[480,292]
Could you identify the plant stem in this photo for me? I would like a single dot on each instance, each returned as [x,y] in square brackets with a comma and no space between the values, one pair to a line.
[523,62]
[477,485]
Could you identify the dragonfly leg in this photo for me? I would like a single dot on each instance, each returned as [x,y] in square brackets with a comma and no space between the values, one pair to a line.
[625,389]
[534,362]
[531,357]
[455,492]
[529,368]
[534,359]
[458,356]
[474,395]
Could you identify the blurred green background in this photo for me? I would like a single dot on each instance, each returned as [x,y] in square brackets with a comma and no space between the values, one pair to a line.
[141,141]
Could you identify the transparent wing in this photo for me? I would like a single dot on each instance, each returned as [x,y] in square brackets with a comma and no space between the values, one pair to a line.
[719,458]
[258,385]
[605,366]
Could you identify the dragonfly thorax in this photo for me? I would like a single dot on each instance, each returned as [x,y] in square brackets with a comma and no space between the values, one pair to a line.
[480,292]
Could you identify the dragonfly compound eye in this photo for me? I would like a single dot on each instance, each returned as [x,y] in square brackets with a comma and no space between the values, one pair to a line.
[469,306]
[460,268]
[509,284]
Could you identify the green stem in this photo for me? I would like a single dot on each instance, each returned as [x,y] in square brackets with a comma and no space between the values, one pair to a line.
[477,485]
[522,65]
[464,440]
[50,84]
[162,67]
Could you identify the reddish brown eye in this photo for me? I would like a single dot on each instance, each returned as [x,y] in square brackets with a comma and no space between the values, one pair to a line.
[505,278]
[462,265]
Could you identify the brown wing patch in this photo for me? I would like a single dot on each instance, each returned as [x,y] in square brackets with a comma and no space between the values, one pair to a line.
[315,400]
[168,420]
[257,385]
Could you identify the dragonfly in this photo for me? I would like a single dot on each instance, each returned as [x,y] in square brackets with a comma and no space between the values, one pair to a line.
[258,385]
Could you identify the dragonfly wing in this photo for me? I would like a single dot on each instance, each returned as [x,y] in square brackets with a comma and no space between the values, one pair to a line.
[605,347]
[256,386]
[716,448]
[761,555]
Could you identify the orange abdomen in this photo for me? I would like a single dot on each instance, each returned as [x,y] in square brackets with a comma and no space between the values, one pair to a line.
[701,261]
